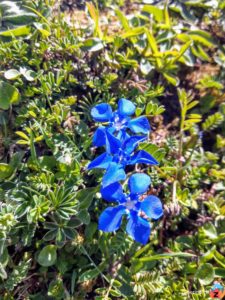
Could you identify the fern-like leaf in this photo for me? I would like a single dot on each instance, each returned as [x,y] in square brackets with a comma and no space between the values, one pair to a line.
[18,274]
[213,121]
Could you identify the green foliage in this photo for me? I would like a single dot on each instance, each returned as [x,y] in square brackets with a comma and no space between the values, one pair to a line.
[205,274]
[18,274]
[213,121]
[8,95]
[169,60]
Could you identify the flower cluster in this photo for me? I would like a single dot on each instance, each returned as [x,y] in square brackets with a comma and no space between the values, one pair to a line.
[121,151]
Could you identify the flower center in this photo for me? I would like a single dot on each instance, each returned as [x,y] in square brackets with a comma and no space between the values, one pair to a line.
[120,158]
[129,204]
[119,123]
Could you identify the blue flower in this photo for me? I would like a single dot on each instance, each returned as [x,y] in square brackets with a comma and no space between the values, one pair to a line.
[137,210]
[119,121]
[118,155]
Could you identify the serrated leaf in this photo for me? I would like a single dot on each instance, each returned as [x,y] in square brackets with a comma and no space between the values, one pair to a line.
[213,121]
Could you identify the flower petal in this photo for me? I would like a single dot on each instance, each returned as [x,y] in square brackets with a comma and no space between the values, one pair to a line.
[100,162]
[114,173]
[126,107]
[99,137]
[138,228]
[142,157]
[138,183]
[113,144]
[152,207]
[131,143]
[102,112]
[113,192]
[122,135]
[140,124]
[111,218]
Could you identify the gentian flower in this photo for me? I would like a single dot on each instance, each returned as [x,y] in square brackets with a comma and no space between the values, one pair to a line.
[118,155]
[119,121]
[137,210]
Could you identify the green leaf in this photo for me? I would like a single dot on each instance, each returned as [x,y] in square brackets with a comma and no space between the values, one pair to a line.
[93,44]
[208,255]
[115,293]
[123,19]
[219,258]
[172,79]
[30,75]
[12,74]
[8,95]
[50,235]
[182,50]
[4,258]
[205,274]
[133,32]
[155,151]
[154,109]
[153,46]
[5,171]
[155,11]
[94,13]
[3,273]
[202,37]
[47,256]
[85,197]
[210,230]
[43,28]
[90,230]
[198,36]
[88,275]
[165,256]
[146,67]
[213,121]
[185,13]
[19,31]
[84,216]
[220,272]
[139,111]
[198,51]
[56,289]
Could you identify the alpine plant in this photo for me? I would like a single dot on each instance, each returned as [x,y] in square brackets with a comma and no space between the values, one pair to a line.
[121,135]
